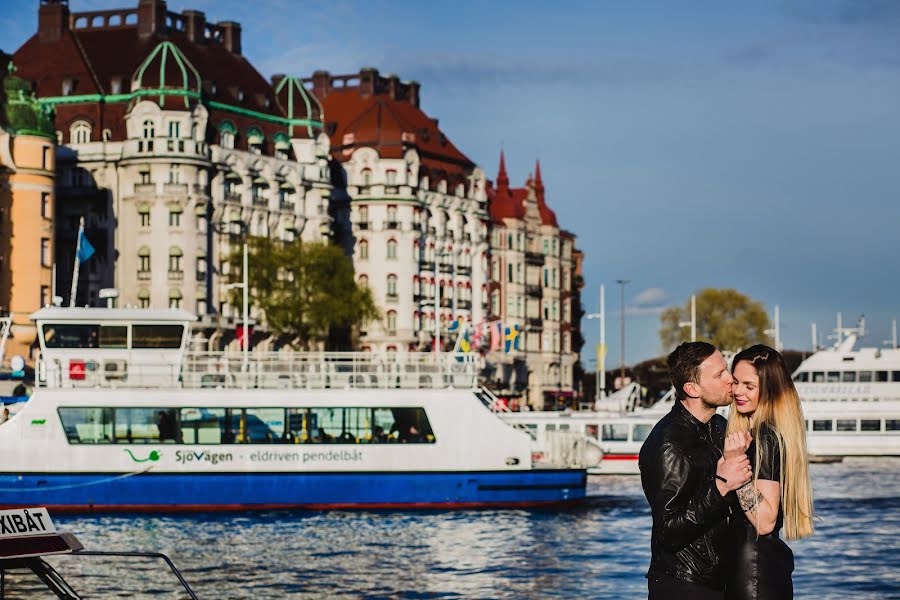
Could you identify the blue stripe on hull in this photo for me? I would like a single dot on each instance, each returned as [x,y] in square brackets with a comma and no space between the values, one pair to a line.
[236,491]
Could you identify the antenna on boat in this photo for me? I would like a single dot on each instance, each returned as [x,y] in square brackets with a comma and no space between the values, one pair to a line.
[775,331]
[893,340]
[815,337]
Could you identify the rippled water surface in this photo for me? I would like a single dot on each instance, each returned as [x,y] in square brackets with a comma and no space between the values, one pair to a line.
[598,551]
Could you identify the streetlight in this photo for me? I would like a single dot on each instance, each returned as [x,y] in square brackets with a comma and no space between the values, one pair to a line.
[600,375]
[245,289]
[693,322]
[622,283]
[775,332]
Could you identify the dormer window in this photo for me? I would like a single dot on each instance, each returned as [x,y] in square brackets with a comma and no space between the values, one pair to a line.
[226,135]
[255,140]
[115,85]
[80,132]
[239,94]
[391,177]
[68,86]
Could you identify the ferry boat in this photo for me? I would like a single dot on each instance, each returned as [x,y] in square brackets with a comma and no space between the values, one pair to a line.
[125,417]
[850,397]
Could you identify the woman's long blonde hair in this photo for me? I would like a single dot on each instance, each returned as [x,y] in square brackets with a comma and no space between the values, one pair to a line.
[779,408]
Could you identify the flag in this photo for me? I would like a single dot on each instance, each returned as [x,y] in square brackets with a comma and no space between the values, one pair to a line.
[464,344]
[512,338]
[496,336]
[85,250]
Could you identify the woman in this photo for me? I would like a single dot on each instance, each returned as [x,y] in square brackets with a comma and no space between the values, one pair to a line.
[767,411]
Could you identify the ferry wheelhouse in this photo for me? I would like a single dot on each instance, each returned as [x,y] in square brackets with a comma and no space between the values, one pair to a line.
[126,417]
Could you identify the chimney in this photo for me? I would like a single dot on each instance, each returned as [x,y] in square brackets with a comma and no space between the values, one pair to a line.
[367,78]
[151,17]
[194,25]
[321,84]
[231,36]
[412,93]
[393,85]
[53,19]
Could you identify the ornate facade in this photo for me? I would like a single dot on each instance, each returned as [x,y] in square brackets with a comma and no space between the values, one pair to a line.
[411,208]
[26,208]
[172,146]
[533,290]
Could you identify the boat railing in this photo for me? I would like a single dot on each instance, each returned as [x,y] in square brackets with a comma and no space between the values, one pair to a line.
[570,449]
[267,370]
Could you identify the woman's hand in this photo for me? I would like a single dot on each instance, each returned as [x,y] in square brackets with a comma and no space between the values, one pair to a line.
[736,444]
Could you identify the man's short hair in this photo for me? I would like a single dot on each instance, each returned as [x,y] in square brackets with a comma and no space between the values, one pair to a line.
[684,364]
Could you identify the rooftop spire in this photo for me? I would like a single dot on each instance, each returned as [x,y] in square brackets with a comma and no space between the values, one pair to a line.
[502,178]
[538,181]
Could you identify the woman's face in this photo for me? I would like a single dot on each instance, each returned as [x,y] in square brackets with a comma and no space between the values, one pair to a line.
[746,388]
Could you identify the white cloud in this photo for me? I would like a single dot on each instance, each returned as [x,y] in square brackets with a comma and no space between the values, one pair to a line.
[651,297]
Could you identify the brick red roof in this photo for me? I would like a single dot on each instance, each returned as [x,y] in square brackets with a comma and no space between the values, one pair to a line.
[381,113]
[505,202]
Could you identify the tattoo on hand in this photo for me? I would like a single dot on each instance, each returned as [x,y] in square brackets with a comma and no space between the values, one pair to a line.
[748,496]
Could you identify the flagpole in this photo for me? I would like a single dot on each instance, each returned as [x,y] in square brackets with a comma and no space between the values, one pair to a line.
[75,269]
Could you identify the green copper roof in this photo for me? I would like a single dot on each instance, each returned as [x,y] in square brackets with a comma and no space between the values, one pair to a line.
[23,113]
[293,83]
[168,51]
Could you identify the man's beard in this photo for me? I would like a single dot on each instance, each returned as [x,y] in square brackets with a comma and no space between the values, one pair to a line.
[717,401]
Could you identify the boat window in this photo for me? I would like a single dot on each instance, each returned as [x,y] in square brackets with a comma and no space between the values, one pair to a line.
[640,432]
[71,335]
[564,427]
[359,426]
[895,376]
[846,424]
[807,424]
[818,377]
[615,432]
[260,426]
[146,425]
[822,425]
[870,424]
[592,430]
[881,376]
[865,376]
[113,336]
[203,425]
[834,376]
[156,336]
[802,377]
[87,425]
[848,376]
[892,424]
[550,427]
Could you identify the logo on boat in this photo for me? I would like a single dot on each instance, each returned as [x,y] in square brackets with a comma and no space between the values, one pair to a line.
[153,456]
[215,458]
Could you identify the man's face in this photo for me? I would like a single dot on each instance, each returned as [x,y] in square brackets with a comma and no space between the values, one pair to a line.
[716,381]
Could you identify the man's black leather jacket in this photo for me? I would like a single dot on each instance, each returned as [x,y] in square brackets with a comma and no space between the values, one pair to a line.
[690,527]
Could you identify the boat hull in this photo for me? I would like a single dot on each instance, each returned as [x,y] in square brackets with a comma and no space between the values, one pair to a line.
[194,492]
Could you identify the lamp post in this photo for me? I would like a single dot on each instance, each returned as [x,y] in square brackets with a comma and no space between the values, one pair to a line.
[600,375]
[245,290]
[693,322]
[622,283]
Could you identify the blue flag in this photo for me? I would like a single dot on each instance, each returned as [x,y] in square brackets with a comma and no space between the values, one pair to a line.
[85,250]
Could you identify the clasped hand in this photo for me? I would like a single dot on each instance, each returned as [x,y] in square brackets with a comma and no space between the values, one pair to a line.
[734,466]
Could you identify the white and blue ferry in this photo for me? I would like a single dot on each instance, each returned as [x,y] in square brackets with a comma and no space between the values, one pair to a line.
[126,417]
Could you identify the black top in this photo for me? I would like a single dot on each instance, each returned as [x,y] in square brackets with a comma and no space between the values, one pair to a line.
[678,467]
[769,462]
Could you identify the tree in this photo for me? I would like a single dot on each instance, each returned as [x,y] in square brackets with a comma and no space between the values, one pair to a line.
[305,290]
[725,317]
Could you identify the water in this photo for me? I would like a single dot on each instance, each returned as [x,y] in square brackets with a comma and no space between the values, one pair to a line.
[599,551]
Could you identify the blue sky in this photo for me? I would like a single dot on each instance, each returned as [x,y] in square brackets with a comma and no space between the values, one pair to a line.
[693,144]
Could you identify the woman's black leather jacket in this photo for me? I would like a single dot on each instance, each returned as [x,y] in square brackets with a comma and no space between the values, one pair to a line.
[690,527]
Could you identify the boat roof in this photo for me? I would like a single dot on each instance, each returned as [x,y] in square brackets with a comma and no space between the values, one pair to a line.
[97,314]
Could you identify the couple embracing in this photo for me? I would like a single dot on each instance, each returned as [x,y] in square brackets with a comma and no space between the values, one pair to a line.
[719,491]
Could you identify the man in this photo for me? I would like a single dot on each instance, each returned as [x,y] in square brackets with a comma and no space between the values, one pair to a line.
[686,479]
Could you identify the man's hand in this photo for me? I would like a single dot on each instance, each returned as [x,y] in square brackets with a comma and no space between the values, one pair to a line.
[736,444]
[735,471]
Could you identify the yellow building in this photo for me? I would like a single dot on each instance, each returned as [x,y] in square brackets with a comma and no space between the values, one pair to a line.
[27,147]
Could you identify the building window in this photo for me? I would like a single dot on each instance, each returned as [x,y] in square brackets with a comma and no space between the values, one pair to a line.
[392,286]
[45,252]
[144,260]
[509,272]
[174,174]
[174,128]
[366,177]
[68,86]
[175,255]
[391,177]
[363,250]
[115,85]
[46,211]
[392,249]
[46,158]
[226,140]
[80,132]
[149,129]
[175,216]
[364,216]
[174,298]
[144,298]
[45,295]
[144,212]
[391,322]
[364,281]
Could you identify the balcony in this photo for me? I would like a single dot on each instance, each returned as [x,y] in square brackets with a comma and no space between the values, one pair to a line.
[165,146]
[200,276]
[143,275]
[427,265]
[446,268]
[233,197]
[392,190]
[392,298]
[533,324]
[535,291]
[464,270]
[177,189]
[464,304]
[391,225]
[534,258]
[261,201]
[176,275]
[446,302]
[148,189]
[286,205]
[363,225]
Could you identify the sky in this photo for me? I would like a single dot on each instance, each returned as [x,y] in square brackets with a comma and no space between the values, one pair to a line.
[687,144]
